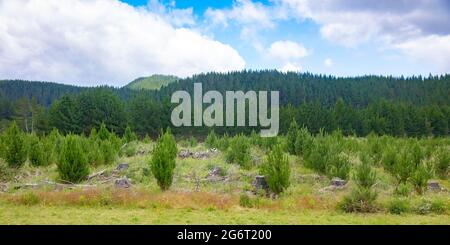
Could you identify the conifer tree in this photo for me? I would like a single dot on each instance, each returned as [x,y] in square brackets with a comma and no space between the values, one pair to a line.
[162,162]
[15,148]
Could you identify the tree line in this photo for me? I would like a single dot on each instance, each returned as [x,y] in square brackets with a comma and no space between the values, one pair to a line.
[413,106]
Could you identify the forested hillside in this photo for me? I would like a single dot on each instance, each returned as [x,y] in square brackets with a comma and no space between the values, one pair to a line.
[413,106]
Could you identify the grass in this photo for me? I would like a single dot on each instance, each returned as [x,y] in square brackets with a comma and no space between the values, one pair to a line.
[13,214]
[153,82]
[205,202]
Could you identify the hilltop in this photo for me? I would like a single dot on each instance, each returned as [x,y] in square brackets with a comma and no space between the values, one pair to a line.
[153,82]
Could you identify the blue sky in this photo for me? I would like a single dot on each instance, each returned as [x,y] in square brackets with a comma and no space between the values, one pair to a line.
[114,41]
[366,58]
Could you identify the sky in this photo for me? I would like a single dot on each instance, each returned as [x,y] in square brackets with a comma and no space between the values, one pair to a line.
[97,42]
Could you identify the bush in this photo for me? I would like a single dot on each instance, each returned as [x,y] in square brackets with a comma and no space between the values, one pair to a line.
[403,189]
[423,207]
[291,137]
[54,142]
[319,156]
[130,149]
[73,165]
[362,198]
[15,148]
[29,198]
[339,166]
[404,166]
[245,201]
[276,169]
[399,206]
[376,147]
[239,151]
[162,163]
[212,140]
[103,132]
[442,162]
[93,153]
[192,142]
[249,202]
[303,142]
[6,173]
[419,179]
[365,176]
[36,153]
[325,157]
[108,152]
[129,135]
[439,206]
[147,139]
[223,142]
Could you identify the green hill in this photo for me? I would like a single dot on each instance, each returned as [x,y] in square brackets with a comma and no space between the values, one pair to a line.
[153,82]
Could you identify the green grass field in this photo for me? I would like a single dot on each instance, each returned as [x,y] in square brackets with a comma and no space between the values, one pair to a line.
[13,214]
[193,199]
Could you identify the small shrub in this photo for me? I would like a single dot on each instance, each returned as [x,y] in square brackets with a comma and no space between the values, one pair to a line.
[6,173]
[291,137]
[403,189]
[73,164]
[103,132]
[339,166]
[223,142]
[362,198]
[419,179]
[365,176]
[94,155]
[439,206]
[245,201]
[276,170]
[212,140]
[423,207]
[36,153]
[129,135]
[389,158]
[399,206]
[190,142]
[319,156]
[15,148]
[130,149]
[404,166]
[108,152]
[53,142]
[303,142]
[239,151]
[376,147]
[147,139]
[29,198]
[442,162]
[162,163]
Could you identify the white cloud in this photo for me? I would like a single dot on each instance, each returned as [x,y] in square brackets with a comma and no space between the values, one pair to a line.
[249,17]
[287,50]
[102,41]
[291,67]
[417,28]
[430,49]
[328,62]
[350,23]
[244,12]
[177,17]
